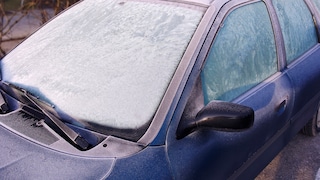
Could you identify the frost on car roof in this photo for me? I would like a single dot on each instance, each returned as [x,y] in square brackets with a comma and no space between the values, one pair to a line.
[110,65]
[204,2]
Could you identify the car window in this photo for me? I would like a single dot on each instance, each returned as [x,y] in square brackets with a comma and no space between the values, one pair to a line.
[242,55]
[317,4]
[297,26]
[111,67]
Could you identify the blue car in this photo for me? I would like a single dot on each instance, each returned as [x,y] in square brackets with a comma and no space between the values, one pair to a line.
[153,89]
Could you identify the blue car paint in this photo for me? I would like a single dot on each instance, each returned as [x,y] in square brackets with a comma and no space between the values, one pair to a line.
[138,166]
[219,148]
[200,155]
[23,159]
[304,74]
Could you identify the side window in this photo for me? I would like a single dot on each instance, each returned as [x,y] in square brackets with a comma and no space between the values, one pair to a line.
[297,26]
[242,55]
[317,4]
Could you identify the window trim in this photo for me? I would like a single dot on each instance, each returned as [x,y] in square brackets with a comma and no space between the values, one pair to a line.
[279,45]
[315,15]
[284,61]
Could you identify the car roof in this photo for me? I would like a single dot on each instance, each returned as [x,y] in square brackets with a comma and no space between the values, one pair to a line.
[205,2]
[197,2]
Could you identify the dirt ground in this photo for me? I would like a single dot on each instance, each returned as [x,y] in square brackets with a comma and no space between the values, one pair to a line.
[299,160]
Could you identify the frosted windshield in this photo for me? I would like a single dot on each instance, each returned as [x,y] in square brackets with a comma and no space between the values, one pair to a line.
[106,62]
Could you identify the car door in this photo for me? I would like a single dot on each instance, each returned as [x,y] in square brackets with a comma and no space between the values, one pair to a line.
[241,65]
[302,55]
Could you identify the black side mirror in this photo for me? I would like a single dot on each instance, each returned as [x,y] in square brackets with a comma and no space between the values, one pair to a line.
[221,116]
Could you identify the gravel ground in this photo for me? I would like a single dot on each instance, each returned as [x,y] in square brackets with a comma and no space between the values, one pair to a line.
[299,160]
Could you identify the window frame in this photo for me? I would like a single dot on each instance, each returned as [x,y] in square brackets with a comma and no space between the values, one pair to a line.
[222,15]
[315,12]
[281,37]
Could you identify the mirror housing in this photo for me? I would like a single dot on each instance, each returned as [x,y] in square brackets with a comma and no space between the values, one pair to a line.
[220,116]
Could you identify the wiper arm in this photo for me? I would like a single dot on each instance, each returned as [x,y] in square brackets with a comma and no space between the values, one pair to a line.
[27,98]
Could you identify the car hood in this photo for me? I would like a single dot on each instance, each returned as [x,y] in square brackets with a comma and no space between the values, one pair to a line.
[21,158]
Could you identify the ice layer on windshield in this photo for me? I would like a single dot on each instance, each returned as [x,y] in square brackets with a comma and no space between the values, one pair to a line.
[107,62]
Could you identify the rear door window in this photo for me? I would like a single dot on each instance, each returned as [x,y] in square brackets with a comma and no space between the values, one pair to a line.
[297,26]
[242,55]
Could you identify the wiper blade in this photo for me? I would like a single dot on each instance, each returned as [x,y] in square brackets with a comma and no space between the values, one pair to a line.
[27,98]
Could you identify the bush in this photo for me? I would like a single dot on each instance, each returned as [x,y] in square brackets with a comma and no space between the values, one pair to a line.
[12,12]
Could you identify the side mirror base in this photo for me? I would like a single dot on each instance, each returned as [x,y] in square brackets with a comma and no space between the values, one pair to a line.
[220,116]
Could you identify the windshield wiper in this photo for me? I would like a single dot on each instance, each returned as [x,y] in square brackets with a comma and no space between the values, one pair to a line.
[28,99]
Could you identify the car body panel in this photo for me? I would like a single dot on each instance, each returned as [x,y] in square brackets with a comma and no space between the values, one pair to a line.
[131,167]
[273,103]
[269,119]
[282,104]
[304,74]
[22,158]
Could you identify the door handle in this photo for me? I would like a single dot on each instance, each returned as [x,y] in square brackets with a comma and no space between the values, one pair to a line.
[281,107]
